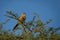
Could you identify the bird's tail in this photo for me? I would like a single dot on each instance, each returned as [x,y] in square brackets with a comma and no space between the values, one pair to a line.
[15,27]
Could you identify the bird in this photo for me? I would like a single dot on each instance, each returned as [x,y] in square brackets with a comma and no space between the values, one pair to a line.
[21,20]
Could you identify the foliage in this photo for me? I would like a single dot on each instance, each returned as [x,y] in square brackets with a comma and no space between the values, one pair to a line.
[31,30]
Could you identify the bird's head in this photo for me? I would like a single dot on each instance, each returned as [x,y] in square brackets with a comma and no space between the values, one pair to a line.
[23,15]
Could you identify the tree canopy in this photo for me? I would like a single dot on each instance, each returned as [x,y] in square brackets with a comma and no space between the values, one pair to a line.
[31,30]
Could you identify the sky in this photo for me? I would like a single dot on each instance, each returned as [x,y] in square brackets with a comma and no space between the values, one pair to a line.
[47,9]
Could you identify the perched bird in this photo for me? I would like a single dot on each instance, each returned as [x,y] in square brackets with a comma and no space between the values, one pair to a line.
[21,20]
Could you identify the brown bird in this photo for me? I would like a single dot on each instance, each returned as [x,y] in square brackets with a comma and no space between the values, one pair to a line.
[21,20]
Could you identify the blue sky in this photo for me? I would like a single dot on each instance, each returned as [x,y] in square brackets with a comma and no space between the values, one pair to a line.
[46,8]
